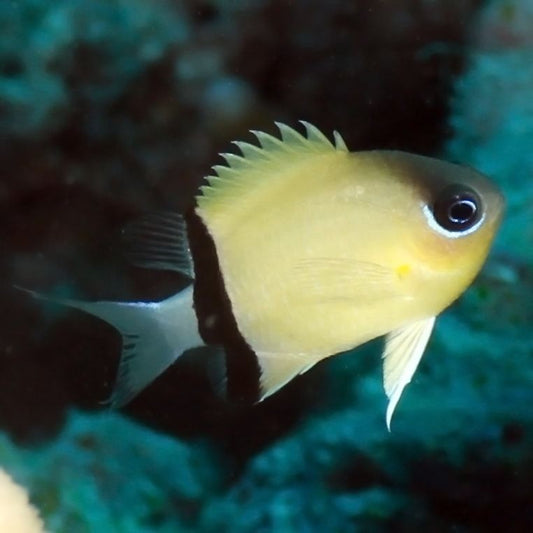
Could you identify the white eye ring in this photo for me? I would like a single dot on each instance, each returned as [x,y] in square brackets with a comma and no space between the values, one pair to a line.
[435,226]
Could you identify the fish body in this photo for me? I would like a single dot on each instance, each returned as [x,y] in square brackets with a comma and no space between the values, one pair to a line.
[299,250]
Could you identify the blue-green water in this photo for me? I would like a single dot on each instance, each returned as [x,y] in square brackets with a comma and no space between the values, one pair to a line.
[111,108]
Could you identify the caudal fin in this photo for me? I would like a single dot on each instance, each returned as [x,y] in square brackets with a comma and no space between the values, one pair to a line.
[154,335]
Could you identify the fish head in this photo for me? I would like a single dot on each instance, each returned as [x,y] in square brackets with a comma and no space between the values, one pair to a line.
[452,213]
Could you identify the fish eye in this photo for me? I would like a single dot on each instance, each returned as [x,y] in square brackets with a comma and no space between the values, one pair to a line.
[457,208]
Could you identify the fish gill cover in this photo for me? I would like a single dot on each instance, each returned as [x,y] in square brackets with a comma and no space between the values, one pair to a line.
[109,109]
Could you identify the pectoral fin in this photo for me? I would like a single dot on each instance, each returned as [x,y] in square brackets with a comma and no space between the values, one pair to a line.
[325,279]
[277,369]
[403,350]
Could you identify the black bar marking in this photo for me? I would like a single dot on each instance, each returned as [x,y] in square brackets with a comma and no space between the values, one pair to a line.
[216,322]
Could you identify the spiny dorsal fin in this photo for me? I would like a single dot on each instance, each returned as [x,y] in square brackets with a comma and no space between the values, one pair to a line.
[404,348]
[273,154]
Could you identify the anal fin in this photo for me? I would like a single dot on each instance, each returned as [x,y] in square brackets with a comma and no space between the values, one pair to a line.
[277,369]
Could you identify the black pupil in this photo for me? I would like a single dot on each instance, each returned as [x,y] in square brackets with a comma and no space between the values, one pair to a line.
[457,208]
[462,211]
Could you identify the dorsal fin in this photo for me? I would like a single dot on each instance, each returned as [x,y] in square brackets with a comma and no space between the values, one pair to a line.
[159,240]
[272,155]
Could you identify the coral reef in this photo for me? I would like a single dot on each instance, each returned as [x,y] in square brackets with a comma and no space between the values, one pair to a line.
[105,473]
[16,513]
[109,108]
[75,56]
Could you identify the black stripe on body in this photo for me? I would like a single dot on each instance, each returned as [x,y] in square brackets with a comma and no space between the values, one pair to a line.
[216,322]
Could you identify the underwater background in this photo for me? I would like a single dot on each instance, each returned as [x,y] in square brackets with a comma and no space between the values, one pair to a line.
[111,108]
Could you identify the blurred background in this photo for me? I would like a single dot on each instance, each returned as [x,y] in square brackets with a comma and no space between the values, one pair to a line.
[111,108]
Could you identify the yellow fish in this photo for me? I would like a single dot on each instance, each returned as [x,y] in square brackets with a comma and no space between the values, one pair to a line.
[299,250]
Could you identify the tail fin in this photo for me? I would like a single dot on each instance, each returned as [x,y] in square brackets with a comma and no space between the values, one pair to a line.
[154,335]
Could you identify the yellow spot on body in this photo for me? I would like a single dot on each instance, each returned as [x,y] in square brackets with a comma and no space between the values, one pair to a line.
[403,271]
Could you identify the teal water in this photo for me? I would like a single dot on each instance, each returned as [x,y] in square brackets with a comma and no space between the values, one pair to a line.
[109,109]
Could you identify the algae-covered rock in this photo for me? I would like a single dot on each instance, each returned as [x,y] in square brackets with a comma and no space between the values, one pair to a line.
[53,55]
[106,473]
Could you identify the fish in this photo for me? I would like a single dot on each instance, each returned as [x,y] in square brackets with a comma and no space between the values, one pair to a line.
[296,250]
